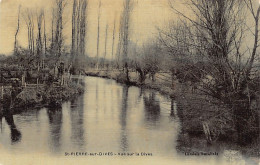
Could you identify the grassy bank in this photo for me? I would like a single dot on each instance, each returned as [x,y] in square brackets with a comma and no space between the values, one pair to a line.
[51,96]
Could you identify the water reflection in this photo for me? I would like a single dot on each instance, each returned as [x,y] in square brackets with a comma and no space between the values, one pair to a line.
[173,108]
[108,117]
[55,124]
[141,92]
[151,108]
[15,133]
[123,117]
[77,123]
[1,125]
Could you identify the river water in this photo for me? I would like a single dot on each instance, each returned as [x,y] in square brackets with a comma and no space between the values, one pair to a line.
[108,117]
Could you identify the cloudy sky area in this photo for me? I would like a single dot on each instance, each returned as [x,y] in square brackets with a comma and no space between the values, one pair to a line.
[147,15]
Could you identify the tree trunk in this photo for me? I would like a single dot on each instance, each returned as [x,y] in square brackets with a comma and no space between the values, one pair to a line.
[73,31]
[98,29]
[142,75]
[113,42]
[16,33]
[246,122]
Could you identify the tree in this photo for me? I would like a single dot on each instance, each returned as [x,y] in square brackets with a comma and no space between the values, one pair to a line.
[148,60]
[39,41]
[83,26]
[119,45]
[52,28]
[217,32]
[73,34]
[44,36]
[98,29]
[79,24]
[58,21]
[113,42]
[29,20]
[17,30]
[125,22]
[106,41]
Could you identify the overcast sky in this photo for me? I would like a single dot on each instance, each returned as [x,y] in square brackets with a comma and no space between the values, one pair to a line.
[146,16]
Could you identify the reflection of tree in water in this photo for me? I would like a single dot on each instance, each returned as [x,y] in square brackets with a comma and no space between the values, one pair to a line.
[152,108]
[1,127]
[55,121]
[141,92]
[123,116]
[173,109]
[97,90]
[15,133]
[184,140]
[73,102]
[77,122]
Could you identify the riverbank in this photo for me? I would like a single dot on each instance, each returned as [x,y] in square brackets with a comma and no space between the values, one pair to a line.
[164,87]
[51,96]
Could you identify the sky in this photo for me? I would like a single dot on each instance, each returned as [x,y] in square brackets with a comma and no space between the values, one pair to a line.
[146,16]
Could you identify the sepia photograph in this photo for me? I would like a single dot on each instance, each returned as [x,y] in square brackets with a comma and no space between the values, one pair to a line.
[145,82]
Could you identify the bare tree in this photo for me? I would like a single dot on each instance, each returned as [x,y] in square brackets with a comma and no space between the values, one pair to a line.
[58,36]
[106,42]
[73,35]
[29,19]
[79,25]
[17,30]
[113,42]
[148,60]
[83,26]
[32,33]
[128,6]
[52,27]
[98,29]
[217,32]
[39,41]
[78,28]
[44,35]
[119,46]
[252,57]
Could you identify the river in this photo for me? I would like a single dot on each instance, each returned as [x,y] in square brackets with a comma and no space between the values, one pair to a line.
[108,117]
